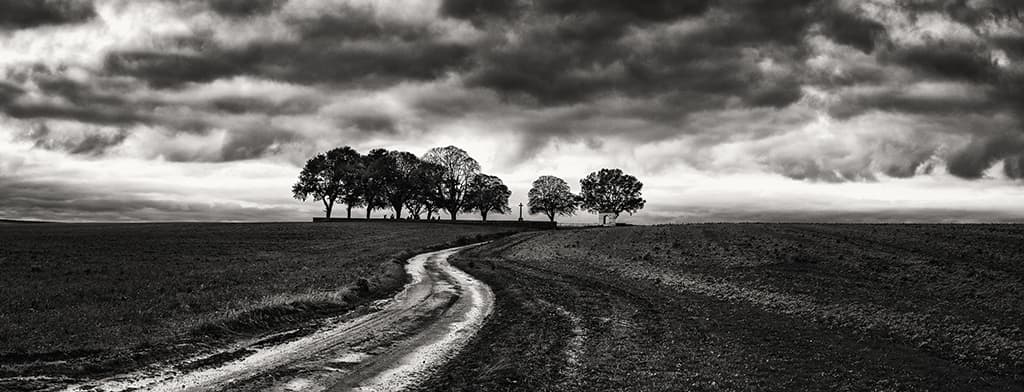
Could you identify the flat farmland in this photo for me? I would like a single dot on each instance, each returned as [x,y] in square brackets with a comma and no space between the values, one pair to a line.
[750,307]
[92,298]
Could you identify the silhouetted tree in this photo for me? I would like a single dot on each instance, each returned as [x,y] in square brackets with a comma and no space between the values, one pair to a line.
[458,170]
[329,176]
[352,192]
[353,196]
[425,182]
[378,172]
[402,183]
[550,196]
[610,190]
[486,194]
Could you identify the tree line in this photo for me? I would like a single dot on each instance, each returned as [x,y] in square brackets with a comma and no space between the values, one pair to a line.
[448,179]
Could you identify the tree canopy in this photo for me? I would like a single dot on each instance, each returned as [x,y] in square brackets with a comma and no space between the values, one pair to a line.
[487,194]
[329,176]
[458,169]
[426,185]
[378,173]
[611,190]
[400,186]
[550,196]
[447,178]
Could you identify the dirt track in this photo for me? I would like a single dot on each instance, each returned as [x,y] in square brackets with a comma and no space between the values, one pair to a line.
[399,342]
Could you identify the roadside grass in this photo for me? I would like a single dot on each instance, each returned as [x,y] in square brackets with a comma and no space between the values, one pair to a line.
[283,309]
[87,299]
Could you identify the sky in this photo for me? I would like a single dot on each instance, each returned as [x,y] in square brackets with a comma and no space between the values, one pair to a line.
[726,110]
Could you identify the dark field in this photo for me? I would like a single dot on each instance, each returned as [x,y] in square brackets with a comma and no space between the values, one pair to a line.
[88,292]
[750,307]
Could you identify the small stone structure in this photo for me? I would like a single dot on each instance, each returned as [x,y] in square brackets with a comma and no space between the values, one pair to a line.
[607,218]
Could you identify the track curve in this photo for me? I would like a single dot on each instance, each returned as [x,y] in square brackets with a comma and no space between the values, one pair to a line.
[391,348]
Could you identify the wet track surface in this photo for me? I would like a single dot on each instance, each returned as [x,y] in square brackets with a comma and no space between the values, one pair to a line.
[400,342]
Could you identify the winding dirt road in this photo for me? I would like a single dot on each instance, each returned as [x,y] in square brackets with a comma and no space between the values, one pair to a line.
[393,347]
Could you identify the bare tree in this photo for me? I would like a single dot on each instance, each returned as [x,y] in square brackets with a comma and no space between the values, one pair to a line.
[458,170]
[550,196]
[487,194]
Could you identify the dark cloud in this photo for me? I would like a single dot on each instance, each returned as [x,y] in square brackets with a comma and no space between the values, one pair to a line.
[479,10]
[94,114]
[572,51]
[47,200]
[972,161]
[975,12]
[812,170]
[774,93]
[1013,46]
[94,109]
[549,70]
[893,160]
[163,69]
[898,101]
[372,123]
[245,7]
[766,21]
[254,143]
[262,105]
[349,23]
[75,101]
[346,47]
[612,12]
[539,73]
[103,120]
[90,143]
[653,10]
[1013,167]
[311,63]
[8,92]
[948,60]
[853,30]
[21,14]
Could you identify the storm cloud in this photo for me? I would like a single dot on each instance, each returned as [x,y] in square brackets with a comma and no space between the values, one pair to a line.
[21,14]
[817,92]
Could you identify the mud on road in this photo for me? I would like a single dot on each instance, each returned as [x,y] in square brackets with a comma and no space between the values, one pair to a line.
[564,323]
[392,346]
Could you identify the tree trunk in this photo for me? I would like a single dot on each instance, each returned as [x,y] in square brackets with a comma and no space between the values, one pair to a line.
[551,215]
[483,214]
[369,208]
[453,213]
[398,211]
[349,210]
[328,206]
